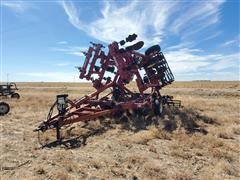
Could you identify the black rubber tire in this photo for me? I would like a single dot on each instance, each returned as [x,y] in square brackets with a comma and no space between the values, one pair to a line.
[158,107]
[15,96]
[4,108]
[153,49]
[135,47]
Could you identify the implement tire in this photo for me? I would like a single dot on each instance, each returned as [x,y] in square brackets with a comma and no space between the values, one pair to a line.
[4,108]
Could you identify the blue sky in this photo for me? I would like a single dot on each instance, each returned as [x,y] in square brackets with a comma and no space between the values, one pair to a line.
[41,40]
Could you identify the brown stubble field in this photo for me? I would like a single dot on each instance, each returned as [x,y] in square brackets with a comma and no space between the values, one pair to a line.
[199,141]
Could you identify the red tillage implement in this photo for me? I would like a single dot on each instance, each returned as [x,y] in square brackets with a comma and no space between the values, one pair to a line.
[113,71]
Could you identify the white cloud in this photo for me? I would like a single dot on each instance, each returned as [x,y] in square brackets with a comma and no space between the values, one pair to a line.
[185,61]
[51,76]
[197,16]
[211,36]
[72,50]
[224,76]
[16,6]
[151,20]
[232,42]
[117,22]
[136,17]
[63,64]
[155,20]
[180,46]
[229,43]
[225,62]
[72,13]
[62,42]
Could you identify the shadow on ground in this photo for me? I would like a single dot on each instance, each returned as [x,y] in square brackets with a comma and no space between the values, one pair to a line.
[186,118]
[78,141]
[171,119]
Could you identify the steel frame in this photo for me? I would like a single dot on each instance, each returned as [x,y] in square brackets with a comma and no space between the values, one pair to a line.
[128,64]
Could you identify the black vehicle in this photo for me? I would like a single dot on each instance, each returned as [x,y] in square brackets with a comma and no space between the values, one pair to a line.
[9,90]
[4,108]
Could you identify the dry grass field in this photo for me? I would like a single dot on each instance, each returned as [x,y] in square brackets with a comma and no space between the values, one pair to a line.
[199,141]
